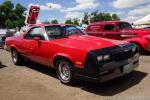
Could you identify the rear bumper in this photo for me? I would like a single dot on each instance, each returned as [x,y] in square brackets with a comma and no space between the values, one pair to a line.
[111,70]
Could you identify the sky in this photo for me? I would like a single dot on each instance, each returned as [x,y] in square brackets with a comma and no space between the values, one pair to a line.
[128,10]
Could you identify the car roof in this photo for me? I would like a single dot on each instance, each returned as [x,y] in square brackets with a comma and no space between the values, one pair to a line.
[36,25]
[106,22]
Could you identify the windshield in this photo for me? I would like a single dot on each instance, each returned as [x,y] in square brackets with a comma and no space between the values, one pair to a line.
[125,25]
[55,32]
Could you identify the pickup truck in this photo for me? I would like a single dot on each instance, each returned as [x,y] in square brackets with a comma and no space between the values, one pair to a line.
[73,53]
[121,30]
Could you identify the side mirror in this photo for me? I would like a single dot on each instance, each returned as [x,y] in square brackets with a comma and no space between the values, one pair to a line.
[36,38]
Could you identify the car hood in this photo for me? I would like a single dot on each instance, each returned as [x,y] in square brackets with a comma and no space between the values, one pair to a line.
[87,42]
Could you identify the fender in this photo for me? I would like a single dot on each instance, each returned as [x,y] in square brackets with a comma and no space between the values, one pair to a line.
[68,57]
[142,41]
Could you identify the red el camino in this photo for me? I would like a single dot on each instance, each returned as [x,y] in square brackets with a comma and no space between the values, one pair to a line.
[73,53]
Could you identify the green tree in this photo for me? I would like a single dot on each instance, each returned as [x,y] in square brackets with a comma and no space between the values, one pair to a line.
[97,16]
[11,16]
[76,22]
[54,21]
[46,22]
[85,18]
[115,17]
[69,21]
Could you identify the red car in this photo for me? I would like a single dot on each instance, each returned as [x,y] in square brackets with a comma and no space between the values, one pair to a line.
[120,30]
[73,53]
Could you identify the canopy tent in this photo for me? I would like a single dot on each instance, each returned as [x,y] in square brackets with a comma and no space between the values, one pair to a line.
[143,21]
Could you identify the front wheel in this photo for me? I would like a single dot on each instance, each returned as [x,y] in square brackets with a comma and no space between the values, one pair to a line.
[64,71]
[140,48]
[16,58]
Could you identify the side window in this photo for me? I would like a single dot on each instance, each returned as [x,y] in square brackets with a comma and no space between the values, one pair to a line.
[109,27]
[53,32]
[36,31]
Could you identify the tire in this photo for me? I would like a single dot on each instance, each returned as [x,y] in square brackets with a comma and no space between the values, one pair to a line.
[140,48]
[16,58]
[64,71]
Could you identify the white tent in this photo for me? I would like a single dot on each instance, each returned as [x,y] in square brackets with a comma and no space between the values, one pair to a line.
[143,21]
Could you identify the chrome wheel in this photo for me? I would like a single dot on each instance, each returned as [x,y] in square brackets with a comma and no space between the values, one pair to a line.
[64,71]
[14,56]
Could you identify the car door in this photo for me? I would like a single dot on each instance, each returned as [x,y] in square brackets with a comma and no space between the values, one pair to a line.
[95,30]
[110,31]
[36,50]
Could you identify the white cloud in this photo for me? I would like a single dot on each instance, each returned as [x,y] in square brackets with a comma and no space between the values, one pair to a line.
[137,13]
[78,15]
[132,18]
[83,4]
[142,10]
[120,13]
[128,3]
[51,6]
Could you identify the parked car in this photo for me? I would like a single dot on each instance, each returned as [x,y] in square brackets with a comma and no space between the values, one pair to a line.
[2,40]
[147,28]
[73,53]
[121,30]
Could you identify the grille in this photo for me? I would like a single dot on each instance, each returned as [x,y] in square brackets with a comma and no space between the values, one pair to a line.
[122,55]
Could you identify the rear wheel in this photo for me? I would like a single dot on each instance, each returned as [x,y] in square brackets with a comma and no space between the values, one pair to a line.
[16,58]
[64,71]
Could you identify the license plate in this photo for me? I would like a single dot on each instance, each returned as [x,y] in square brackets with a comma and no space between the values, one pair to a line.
[127,68]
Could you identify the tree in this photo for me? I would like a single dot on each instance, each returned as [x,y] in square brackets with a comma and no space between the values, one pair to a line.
[85,18]
[76,22]
[11,16]
[46,22]
[97,16]
[54,21]
[115,17]
[68,21]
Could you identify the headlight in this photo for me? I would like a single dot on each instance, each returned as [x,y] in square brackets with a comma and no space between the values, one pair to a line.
[106,57]
[103,58]
[100,58]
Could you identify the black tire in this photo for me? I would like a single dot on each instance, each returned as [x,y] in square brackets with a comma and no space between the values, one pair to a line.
[140,48]
[16,58]
[67,76]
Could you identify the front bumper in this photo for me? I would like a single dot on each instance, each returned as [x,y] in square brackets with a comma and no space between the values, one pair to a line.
[116,69]
[122,62]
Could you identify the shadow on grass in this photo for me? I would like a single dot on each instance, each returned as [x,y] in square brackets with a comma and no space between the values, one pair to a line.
[114,86]
[108,88]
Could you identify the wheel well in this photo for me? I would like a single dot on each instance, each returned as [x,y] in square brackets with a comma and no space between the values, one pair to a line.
[12,48]
[60,57]
[137,44]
